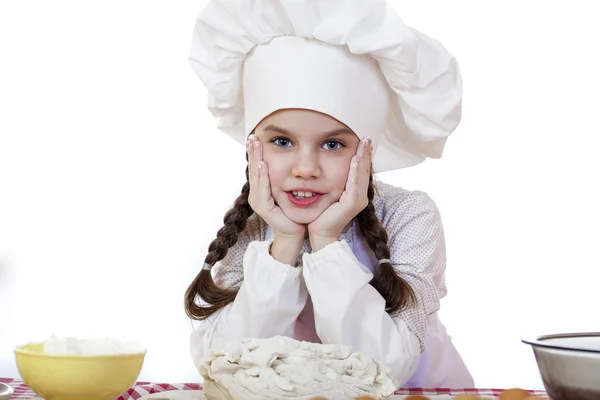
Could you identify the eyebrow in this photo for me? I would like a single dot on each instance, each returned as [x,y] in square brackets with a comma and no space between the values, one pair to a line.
[339,131]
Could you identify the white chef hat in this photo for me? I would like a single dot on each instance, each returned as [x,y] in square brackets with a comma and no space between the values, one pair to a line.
[354,60]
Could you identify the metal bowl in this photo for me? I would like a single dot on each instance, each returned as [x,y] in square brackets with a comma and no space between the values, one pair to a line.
[5,391]
[569,365]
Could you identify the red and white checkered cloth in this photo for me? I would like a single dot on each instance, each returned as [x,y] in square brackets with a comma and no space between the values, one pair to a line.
[140,389]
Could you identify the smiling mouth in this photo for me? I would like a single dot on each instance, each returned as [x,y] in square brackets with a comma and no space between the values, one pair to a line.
[303,195]
[303,199]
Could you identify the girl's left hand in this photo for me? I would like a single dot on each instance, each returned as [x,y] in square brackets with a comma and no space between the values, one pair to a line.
[328,227]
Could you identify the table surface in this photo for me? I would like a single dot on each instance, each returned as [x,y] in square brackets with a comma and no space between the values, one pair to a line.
[141,389]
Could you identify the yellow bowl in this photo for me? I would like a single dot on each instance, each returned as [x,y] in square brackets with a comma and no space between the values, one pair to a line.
[77,377]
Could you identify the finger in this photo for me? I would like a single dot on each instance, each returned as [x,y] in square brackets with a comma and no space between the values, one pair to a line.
[251,164]
[264,186]
[257,158]
[362,173]
[365,152]
[368,157]
[352,175]
[250,149]
[258,151]
[360,151]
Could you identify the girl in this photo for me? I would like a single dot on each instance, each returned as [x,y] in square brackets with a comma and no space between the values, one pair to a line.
[322,93]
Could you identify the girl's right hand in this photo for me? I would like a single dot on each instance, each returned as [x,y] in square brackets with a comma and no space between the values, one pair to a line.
[260,197]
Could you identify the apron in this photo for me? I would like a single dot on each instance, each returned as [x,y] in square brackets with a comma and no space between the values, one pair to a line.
[440,364]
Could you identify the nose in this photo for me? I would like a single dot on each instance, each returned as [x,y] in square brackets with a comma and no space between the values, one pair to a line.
[306,165]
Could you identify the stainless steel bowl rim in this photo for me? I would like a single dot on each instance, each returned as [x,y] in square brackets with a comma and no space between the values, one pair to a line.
[539,341]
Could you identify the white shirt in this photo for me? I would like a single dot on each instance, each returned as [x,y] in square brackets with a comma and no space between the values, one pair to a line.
[328,297]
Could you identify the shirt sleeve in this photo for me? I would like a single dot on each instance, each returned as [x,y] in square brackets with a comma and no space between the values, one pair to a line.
[271,296]
[349,311]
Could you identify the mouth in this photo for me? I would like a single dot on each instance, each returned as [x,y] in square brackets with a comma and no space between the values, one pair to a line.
[304,198]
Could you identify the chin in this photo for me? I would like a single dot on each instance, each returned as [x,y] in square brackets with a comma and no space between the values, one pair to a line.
[301,216]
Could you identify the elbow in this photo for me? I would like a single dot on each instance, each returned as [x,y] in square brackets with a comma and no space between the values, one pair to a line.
[403,370]
[400,350]
[403,363]
[199,346]
[205,337]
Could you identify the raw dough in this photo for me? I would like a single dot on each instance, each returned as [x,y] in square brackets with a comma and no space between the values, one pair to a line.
[284,368]
[198,395]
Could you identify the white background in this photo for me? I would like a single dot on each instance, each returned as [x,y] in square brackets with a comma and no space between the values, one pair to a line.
[113,178]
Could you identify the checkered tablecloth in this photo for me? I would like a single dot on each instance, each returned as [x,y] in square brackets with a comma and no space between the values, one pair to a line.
[140,389]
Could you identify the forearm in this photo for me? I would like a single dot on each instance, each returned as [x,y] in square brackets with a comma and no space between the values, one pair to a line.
[318,242]
[267,304]
[354,314]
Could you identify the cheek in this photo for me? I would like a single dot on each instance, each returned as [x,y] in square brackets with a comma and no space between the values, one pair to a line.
[276,171]
[340,183]
[338,176]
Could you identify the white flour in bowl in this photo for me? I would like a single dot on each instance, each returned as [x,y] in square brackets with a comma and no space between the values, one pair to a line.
[106,346]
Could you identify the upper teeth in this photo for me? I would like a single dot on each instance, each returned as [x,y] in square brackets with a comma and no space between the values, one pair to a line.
[303,194]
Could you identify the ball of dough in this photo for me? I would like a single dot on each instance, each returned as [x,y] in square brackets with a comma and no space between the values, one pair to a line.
[467,397]
[284,368]
[417,397]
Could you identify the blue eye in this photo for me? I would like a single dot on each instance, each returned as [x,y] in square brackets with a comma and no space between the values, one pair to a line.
[333,145]
[281,142]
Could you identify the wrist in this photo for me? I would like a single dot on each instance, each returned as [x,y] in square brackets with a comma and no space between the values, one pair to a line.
[317,242]
[286,249]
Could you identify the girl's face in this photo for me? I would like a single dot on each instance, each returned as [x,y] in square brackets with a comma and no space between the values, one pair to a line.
[306,152]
